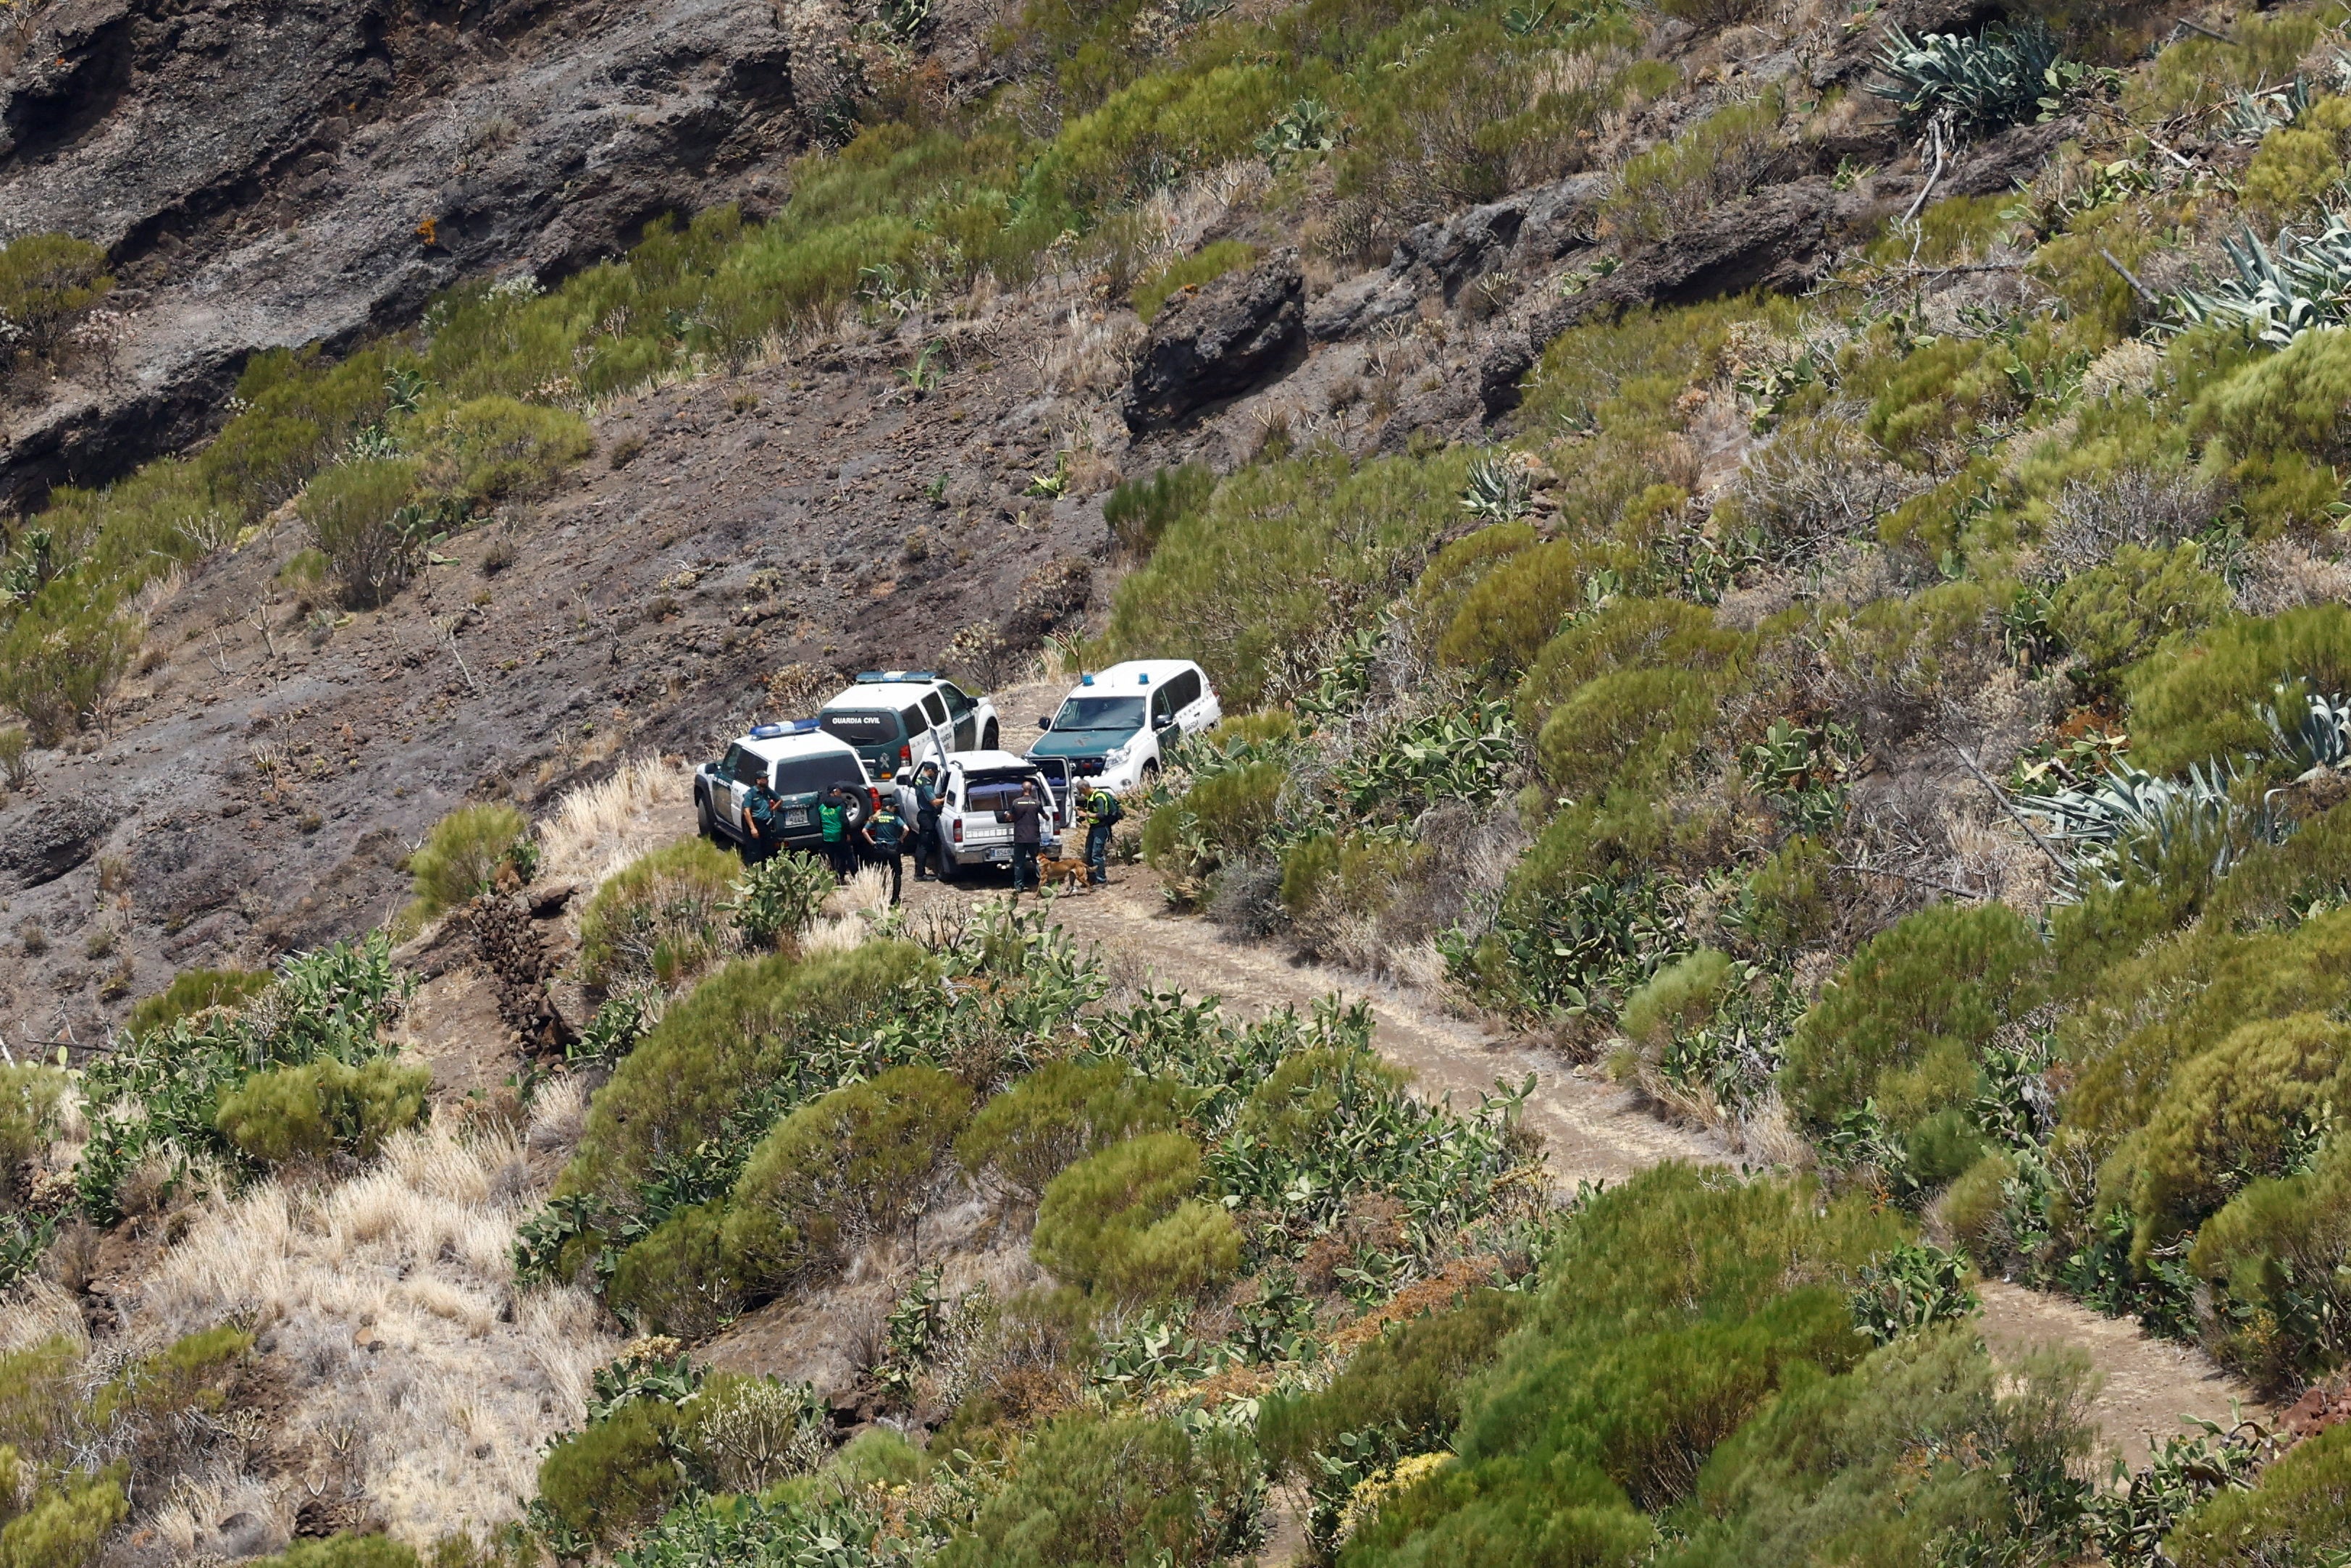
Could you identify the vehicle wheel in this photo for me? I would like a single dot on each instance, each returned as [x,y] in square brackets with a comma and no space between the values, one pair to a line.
[1147,778]
[702,818]
[989,737]
[948,869]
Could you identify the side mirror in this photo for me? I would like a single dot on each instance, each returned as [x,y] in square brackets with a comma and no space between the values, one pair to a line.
[901,777]
[1044,724]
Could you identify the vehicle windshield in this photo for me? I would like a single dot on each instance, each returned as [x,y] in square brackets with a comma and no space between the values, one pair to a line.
[1122,714]
[860,727]
[806,775]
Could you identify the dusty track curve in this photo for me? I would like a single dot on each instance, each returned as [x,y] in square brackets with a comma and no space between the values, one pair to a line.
[1596,1130]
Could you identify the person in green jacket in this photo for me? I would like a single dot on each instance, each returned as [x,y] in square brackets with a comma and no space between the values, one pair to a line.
[832,821]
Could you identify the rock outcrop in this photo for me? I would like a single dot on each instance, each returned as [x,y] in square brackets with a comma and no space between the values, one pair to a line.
[274,173]
[1218,343]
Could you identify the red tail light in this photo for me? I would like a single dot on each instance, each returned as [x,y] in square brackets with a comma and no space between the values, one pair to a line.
[958,830]
[906,755]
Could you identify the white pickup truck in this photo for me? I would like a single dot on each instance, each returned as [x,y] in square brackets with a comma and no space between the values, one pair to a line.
[975,785]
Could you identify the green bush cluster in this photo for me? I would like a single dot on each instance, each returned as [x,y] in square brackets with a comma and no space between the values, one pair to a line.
[1138,512]
[1905,1022]
[306,1113]
[1126,1223]
[462,854]
[48,282]
[1204,266]
[1058,1114]
[663,916]
[859,1163]
[2302,1503]
[748,1027]
[191,991]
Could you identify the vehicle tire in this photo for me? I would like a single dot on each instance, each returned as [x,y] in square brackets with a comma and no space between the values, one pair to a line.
[703,820]
[948,869]
[1147,778]
[989,737]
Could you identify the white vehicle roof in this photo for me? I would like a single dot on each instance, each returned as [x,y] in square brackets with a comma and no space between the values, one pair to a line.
[801,743]
[991,761]
[887,684]
[1133,675]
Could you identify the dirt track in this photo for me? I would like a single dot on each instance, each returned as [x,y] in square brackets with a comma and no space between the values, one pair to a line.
[1596,1130]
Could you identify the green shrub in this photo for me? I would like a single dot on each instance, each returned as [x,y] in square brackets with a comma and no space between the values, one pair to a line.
[360,512]
[461,856]
[343,1552]
[191,991]
[1924,1442]
[1280,553]
[1514,608]
[62,658]
[1678,998]
[2277,1251]
[1291,1113]
[719,1049]
[1124,1223]
[29,1096]
[2201,700]
[1458,568]
[1633,728]
[2301,1505]
[1789,901]
[1412,1380]
[1355,873]
[2278,884]
[1973,1204]
[778,898]
[746,1433]
[1138,512]
[1090,1490]
[47,282]
[1906,1020]
[861,1162]
[2114,614]
[2298,163]
[617,1476]
[1204,266]
[661,916]
[1718,160]
[67,1527]
[489,448]
[305,1112]
[680,1279]
[2124,1054]
[2243,1110]
[1626,634]
[1059,1114]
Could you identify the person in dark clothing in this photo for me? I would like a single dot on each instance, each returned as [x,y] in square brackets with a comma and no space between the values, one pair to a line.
[832,821]
[926,823]
[883,832]
[1027,815]
[763,823]
[1103,812]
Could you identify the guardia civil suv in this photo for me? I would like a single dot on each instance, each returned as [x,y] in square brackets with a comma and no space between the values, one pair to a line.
[900,719]
[800,763]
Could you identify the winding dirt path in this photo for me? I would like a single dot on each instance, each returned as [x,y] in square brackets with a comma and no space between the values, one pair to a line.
[1597,1131]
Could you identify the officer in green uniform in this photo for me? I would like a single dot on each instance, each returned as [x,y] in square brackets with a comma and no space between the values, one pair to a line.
[883,832]
[1103,812]
[832,821]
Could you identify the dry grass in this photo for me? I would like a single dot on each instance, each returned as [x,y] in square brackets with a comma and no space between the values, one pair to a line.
[424,1382]
[599,828]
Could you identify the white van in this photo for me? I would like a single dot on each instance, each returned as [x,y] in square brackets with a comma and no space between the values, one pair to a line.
[1114,722]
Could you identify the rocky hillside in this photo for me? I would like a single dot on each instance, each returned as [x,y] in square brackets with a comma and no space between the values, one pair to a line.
[1777,577]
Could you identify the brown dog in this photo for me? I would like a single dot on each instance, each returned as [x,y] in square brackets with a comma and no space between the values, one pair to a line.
[1064,872]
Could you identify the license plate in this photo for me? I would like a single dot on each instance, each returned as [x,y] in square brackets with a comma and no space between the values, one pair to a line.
[1000,854]
[796,818]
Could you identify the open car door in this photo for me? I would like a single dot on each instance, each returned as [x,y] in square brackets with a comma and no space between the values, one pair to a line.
[1056,770]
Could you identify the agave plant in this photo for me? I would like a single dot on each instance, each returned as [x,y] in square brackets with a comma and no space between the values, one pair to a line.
[1982,84]
[1497,490]
[2321,738]
[2131,822]
[2255,115]
[2279,292]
